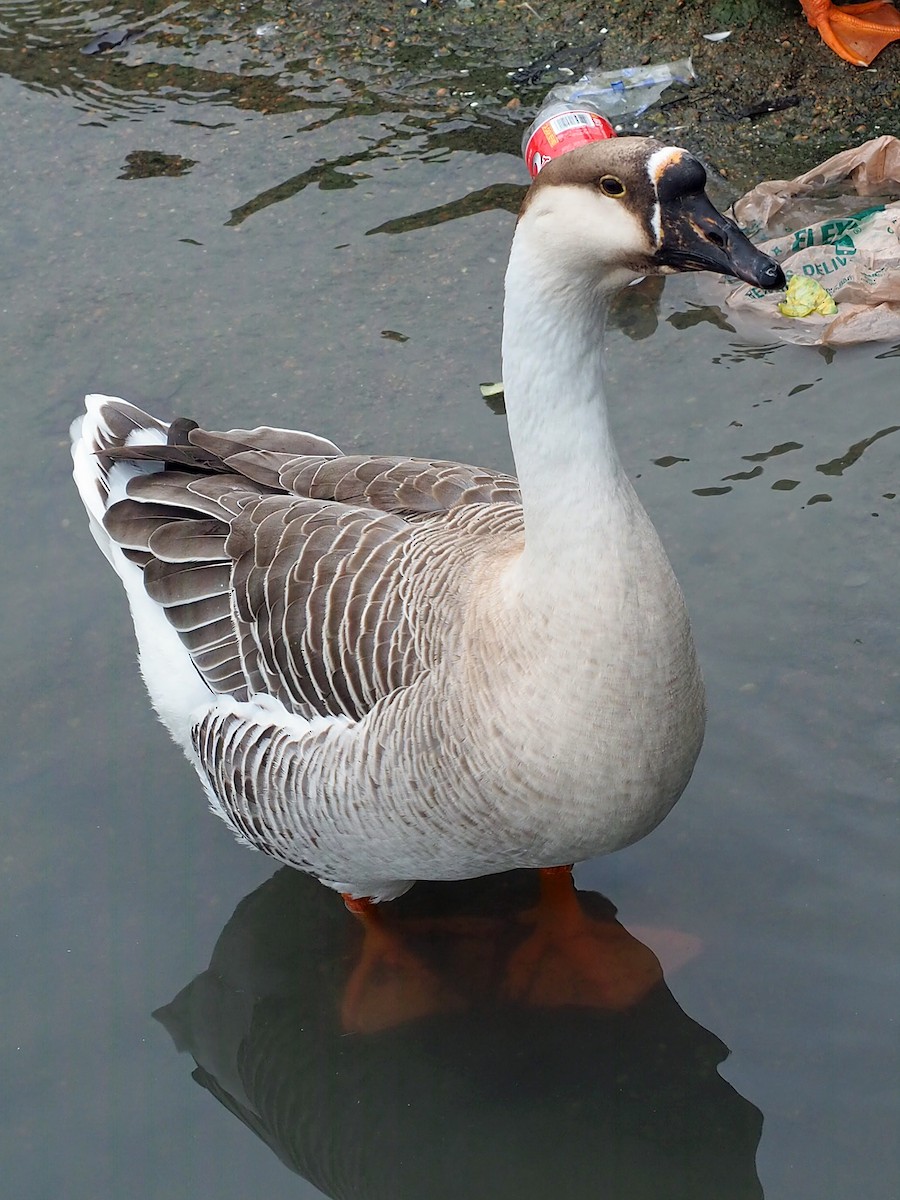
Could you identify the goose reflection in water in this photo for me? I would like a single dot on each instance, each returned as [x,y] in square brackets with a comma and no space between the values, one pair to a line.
[427,1057]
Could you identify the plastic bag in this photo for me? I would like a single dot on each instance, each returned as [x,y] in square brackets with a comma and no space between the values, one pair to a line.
[840,225]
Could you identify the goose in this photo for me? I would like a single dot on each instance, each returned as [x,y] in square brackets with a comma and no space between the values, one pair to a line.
[388,669]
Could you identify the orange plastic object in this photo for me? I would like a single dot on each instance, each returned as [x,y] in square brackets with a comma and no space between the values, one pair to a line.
[856,32]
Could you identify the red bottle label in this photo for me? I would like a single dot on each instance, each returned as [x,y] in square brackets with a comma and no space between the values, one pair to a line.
[564,132]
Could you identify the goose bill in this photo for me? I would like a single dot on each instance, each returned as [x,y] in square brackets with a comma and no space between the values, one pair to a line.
[697,237]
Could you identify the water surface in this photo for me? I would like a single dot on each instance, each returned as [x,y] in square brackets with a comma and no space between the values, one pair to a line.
[206,223]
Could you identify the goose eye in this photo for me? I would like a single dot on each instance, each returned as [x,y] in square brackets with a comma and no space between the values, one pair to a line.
[611,186]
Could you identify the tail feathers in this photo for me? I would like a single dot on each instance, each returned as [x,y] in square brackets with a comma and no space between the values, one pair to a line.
[108,424]
[176,687]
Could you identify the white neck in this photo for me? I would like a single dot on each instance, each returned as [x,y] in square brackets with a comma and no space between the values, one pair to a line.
[574,490]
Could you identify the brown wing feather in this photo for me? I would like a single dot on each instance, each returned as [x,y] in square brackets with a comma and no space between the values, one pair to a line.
[404,485]
[281,562]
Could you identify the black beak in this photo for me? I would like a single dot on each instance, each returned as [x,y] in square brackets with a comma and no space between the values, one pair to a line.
[697,237]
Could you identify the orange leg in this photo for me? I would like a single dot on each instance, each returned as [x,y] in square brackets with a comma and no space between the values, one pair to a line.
[389,985]
[856,32]
[571,958]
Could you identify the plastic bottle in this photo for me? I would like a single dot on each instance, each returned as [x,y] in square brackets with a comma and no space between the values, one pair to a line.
[560,126]
[579,112]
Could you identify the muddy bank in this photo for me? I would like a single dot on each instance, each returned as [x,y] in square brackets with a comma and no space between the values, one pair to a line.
[470,56]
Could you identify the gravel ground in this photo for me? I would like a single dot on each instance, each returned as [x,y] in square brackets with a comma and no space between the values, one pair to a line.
[771,57]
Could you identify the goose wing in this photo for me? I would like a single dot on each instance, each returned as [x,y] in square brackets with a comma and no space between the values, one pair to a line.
[290,569]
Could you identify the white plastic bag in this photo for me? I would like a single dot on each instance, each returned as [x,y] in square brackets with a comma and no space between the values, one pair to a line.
[839,224]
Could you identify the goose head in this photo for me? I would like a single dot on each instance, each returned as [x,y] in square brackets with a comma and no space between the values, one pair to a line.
[613,211]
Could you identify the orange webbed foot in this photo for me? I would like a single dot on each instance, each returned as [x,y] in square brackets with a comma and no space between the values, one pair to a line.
[572,958]
[390,984]
[855,32]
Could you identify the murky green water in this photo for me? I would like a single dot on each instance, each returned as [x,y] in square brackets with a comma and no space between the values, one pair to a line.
[206,221]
